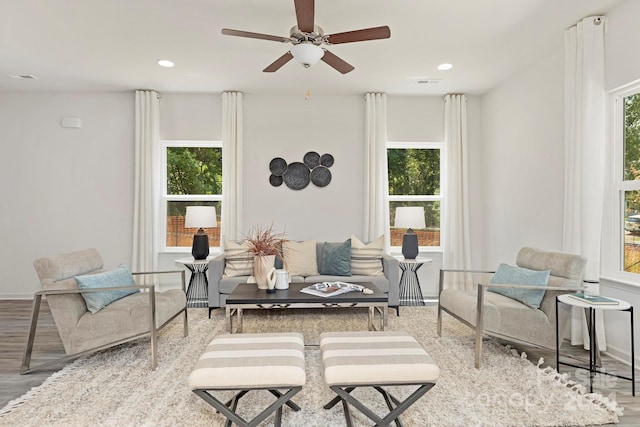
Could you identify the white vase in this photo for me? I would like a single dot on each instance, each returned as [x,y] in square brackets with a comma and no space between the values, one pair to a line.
[262,265]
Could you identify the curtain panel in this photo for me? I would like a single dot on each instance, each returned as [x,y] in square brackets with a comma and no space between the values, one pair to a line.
[455,212]
[585,143]
[376,191]
[232,146]
[146,182]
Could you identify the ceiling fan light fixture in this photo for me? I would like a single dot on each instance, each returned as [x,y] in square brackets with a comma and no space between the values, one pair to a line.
[307,53]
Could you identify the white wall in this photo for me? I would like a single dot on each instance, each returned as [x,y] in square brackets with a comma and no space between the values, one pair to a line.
[288,127]
[63,189]
[522,160]
[622,57]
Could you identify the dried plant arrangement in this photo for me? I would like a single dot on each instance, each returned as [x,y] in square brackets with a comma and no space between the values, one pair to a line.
[264,241]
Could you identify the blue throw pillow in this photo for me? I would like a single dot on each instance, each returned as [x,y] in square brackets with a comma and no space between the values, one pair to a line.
[96,301]
[336,259]
[509,275]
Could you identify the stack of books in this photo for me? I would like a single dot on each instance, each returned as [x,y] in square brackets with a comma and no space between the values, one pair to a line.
[593,299]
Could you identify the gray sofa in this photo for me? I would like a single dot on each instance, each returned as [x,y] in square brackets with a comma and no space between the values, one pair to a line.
[220,288]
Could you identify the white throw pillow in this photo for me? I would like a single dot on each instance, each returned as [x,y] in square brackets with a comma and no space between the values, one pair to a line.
[300,258]
[238,259]
[366,259]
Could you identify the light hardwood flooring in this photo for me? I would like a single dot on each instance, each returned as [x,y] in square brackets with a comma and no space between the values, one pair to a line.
[14,325]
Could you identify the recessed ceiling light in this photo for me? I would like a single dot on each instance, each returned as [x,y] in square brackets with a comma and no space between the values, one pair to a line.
[445,67]
[165,63]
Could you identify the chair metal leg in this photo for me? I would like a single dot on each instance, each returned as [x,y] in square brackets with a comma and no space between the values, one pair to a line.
[153,329]
[35,313]
[479,325]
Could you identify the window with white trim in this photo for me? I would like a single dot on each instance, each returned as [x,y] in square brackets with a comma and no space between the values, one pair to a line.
[192,176]
[626,136]
[415,172]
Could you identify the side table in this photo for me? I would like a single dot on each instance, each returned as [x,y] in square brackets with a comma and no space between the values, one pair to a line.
[410,292]
[198,289]
[593,348]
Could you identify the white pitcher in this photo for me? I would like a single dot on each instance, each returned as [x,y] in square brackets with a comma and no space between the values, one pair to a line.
[282,279]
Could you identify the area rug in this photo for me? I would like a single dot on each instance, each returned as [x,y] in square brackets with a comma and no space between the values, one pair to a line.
[116,387]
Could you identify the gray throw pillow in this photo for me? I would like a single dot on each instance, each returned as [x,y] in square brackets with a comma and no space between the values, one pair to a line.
[509,275]
[336,259]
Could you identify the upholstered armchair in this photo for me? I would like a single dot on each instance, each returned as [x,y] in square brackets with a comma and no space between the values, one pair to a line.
[464,295]
[85,327]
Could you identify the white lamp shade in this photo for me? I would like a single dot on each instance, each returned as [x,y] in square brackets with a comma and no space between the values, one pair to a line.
[410,217]
[200,217]
[307,53]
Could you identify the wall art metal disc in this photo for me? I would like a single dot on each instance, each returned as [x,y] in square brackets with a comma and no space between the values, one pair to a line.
[326,160]
[320,176]
[276,180]
[278,166]
[311,159]
[297,176]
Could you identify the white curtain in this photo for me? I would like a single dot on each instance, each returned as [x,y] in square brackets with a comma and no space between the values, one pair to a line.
[455,221]
[585,139]
[376,192]
[232,207]
[146,182]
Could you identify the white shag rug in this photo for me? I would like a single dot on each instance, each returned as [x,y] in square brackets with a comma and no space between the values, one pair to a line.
[116,387]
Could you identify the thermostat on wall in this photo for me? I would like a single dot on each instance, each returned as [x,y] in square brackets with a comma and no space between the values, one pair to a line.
[71,122]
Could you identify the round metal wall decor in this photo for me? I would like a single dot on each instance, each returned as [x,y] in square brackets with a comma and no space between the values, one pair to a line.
[326,160]
[321,176]
[297,176]
[276,180]
[311,159]
[278,166]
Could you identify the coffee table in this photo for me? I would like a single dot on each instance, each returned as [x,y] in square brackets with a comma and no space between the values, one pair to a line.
[250,297]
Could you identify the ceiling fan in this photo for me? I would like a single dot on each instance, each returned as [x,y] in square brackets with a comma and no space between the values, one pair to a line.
[307,39]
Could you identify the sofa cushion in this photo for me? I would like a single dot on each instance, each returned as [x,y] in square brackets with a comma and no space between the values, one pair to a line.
[509,275]
[96,301]
[238,259]
[300,258]
[366,259]
[336,258]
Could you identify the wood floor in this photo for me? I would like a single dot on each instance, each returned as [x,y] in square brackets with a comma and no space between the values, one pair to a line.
[14,325]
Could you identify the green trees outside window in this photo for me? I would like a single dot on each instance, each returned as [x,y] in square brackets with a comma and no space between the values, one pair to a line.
[414,180]
[193,178]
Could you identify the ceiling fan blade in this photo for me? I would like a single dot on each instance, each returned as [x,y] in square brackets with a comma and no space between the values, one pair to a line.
[238,33]
[360,35]
[304,15]
[337,63]
[275,65]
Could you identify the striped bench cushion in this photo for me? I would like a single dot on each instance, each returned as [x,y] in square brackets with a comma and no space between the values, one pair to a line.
[248,361]
[375,358]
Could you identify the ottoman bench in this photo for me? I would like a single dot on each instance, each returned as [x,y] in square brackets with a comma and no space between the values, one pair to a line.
[246,362]
[375,359]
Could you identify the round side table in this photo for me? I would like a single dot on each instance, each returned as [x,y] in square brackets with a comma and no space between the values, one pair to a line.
[618,305]
[410,292]
[198,289]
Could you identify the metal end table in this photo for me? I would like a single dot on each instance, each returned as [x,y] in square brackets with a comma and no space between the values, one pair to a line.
[593,347]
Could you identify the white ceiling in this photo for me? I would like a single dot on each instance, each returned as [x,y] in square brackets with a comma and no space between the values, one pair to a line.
[113,45]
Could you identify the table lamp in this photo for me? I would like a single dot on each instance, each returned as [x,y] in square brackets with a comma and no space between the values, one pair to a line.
[410,217]
[200,217]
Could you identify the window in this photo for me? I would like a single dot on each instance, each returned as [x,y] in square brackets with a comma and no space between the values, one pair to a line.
[415,179]
[626,136]
[192,177]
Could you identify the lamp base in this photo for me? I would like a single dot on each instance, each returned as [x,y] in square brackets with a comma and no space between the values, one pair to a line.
[200,248]
[410,245]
